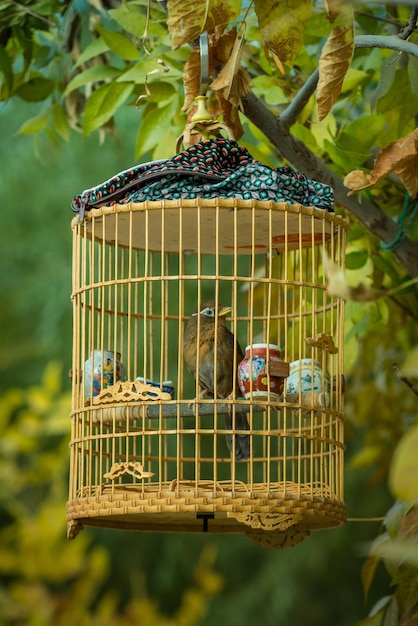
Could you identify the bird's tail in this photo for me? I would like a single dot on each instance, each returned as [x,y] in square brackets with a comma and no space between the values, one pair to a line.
[242,442]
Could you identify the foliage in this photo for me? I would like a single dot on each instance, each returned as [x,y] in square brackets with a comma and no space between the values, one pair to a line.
[86,59]
[46,579]
[79,68]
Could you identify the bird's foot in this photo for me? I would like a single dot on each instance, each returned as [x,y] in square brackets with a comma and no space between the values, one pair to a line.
[195,402]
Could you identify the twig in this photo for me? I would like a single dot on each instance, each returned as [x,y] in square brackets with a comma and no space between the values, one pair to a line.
[378,18]
[32,13]
[411,26]
[289,115]
[394,42]
[404,379]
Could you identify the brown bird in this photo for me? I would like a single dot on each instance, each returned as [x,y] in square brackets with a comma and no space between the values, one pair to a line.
[217,359]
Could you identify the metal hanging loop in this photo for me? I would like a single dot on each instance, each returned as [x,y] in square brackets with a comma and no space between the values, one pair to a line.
[204,63]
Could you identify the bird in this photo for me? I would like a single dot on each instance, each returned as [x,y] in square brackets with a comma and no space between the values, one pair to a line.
[216,360]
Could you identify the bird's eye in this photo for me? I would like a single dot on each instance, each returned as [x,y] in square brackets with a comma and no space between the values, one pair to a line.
[209,311]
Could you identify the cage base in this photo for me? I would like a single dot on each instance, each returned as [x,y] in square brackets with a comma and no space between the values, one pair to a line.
[265,518]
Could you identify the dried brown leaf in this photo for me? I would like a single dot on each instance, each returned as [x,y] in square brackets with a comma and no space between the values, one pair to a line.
[400,157]
[223,45]
[240,86]
[229,71]
[191,78]
[282,25]
[334,62]
[357,180]
[229,112]
[409,524]
[220,47]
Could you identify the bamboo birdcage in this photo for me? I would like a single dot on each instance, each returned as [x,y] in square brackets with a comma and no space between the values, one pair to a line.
[143,460]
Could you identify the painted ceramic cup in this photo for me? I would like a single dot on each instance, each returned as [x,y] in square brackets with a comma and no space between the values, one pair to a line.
[100,371]
[166,386]
[306,375]
[253,379]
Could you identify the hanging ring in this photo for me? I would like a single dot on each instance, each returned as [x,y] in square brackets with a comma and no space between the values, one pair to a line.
[204,63]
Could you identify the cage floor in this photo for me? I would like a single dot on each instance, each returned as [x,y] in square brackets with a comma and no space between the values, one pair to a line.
[283,509]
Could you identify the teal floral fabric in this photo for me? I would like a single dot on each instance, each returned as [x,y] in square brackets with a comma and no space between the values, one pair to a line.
[216,168]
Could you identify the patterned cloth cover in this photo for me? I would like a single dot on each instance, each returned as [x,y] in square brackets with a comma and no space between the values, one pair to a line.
[216,168]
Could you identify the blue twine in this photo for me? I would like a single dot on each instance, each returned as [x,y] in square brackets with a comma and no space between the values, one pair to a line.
[409,213]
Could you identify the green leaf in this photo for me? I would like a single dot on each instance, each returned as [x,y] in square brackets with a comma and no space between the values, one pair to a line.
[7,71]
[346,159]
[131,20]
[273,94]
[304,134]
[400,100]
[91,75]
[153,127]
[413,73]
[361,134]
[60,122]
[368,572]
[138,72]
[119,44]
[353,78]
[386,78]
[35,124]
[35,89]
[96,47]
[360,326]
[410,366]
[356,260]
[162,93]
[103,104]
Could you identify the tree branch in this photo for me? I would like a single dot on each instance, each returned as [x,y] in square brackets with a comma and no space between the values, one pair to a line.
[289,116]
[392,42]
[369,214]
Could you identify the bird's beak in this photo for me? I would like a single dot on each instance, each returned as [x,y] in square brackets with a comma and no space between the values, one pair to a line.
[225,311]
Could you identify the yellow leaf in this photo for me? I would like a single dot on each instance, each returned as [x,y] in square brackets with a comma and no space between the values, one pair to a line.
[187,19]
[403,477]
[410,366]
[366,456]
[334,8]
[335,60]
[282,25]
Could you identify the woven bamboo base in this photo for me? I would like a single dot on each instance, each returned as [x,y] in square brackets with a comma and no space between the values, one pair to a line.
[283,516]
